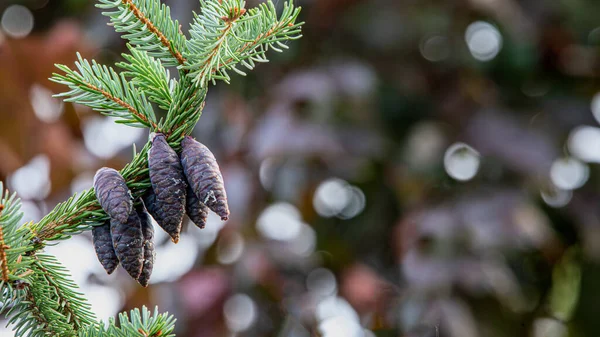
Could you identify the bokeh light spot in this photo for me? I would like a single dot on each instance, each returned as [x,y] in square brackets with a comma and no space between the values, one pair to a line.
[46,108]
[32,181]
[584,143]
[461,161]
[569,173]
[484,40]
[321,282]
[280,221]
[230,248]
[435,48]
[340,326]
[17,21]
[595,106]
[240,312]
[304,244]
[105,139]
[31,212]
[331,197]
[356,204]
[172,261]
[556,197]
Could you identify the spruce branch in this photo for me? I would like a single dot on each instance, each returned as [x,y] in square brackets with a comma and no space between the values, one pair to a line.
[150,76]
[36,294]
[148,25]
[81,212]
[102,89]
[142,323]
[3,248]
[69,302]
[35,290]
[225,34]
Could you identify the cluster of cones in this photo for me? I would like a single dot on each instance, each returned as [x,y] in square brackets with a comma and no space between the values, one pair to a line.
[189,183]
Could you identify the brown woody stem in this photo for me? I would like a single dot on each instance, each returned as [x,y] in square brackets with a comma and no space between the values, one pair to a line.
[3,247]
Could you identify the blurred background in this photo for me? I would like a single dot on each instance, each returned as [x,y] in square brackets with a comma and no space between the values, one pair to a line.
[409,168]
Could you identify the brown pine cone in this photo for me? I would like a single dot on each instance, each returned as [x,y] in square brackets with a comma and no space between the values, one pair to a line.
[128,242]
[195,210]
[113,194]
[204,176]
[104,247]
[169,186]
[149,253]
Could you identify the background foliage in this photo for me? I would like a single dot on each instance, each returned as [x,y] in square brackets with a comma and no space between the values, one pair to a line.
[373,95]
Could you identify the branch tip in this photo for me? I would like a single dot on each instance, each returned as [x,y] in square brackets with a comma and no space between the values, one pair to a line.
[151,27]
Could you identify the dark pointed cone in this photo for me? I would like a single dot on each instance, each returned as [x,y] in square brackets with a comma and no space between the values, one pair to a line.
[112,193]
[149,253]
[104,247]
[150,202]
[204,176]
[128,242]
[168,184]
[195,210]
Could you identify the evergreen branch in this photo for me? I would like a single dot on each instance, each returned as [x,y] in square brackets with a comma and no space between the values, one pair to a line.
[46,301]
[80,213]
[36,294]
[209,36]
[148,25]
[3,247]
[28,318]
[254,47]
[225,34]
[102,89]
[36,312]
[144,323]
[189,102]
[35,290]
[70,303]
[150,76]
[15,239]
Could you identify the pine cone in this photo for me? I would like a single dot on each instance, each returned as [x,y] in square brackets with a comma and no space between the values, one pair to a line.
[104,247]
[149,253]
[112,193]
[195,210]
[204,176]
[128,242]
[169,186]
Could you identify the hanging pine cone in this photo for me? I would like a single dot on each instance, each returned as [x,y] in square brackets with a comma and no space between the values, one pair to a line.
[169,186]
[203,174]
[112,193]
[150,202]
[195,210]
[149,253]
[128,242]
[104,247]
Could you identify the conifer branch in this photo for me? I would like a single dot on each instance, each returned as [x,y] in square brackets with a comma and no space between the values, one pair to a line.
[151,27]
[77,313]
[3,247]
[149,75]
[34,289]
[125,105]
[36,313]
[225,34]
[147,24]
[102,89]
